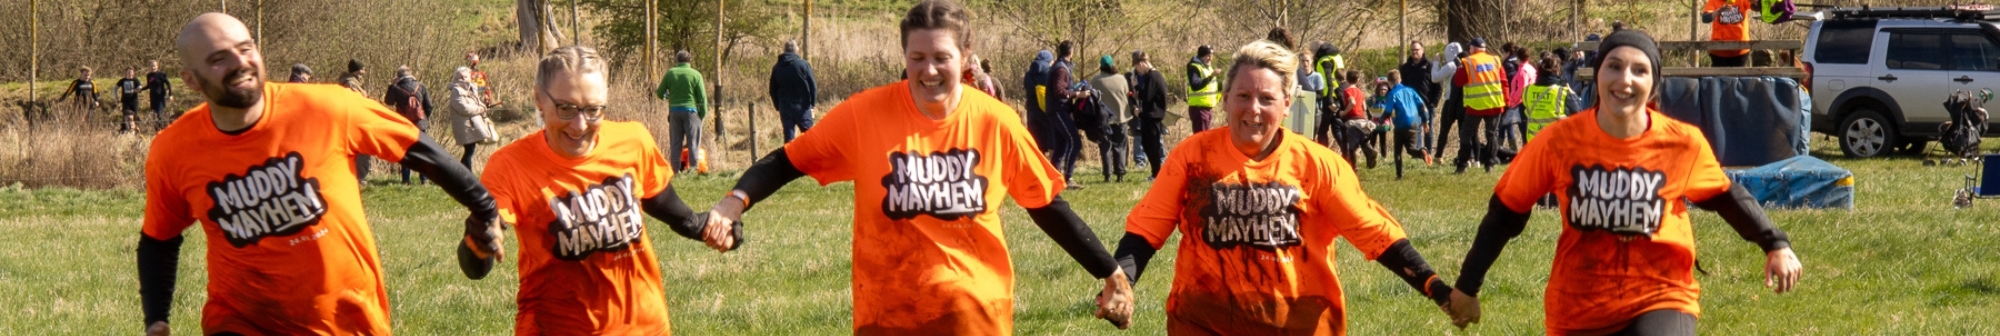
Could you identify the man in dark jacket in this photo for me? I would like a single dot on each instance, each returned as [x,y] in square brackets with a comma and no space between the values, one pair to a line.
[400,96]
[1061,99]
[1149,93]
[1416,71]
[793,91]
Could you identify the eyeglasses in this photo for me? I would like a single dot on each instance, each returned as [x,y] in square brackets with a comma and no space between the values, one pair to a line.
[570,112]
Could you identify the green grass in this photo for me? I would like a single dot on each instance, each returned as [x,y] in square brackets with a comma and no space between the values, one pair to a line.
[1903,262]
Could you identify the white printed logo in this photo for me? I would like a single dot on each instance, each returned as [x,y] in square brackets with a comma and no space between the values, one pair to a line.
[1623,201]
[1259,215]
[1729,14]
[269,199]
[943,185]
[601,217]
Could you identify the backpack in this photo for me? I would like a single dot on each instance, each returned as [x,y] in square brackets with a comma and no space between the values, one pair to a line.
[1091,114]
[411,108]
[1968,122]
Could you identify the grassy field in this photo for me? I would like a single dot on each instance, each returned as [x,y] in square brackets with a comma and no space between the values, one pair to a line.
[1903,262]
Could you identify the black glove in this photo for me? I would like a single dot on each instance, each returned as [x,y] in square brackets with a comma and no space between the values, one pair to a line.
[1707,17]
[487,235]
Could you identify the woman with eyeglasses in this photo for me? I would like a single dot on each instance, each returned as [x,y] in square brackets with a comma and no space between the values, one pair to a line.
[579,190]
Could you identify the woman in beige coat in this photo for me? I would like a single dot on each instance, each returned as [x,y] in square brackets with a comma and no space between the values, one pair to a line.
[468,114]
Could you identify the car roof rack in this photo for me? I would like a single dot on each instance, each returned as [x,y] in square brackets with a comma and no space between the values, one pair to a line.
[1975,12]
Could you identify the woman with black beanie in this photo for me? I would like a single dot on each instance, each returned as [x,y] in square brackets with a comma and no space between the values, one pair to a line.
[1623,175]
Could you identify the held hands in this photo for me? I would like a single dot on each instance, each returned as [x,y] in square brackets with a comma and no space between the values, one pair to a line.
[1464,309]
[1115,302]
[720,233]
[1781,270]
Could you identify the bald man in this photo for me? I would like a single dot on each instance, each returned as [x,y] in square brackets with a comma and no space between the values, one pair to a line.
[263,169]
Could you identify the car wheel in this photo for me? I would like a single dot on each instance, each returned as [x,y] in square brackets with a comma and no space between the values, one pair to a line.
[1866,134]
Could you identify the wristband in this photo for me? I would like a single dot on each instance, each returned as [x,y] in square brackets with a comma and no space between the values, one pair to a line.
[741,196]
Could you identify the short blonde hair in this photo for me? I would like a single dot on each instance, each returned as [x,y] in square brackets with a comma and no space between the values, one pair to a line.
[1264,54]
[575,60]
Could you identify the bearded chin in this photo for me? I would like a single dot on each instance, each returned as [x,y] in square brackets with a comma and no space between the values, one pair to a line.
[232,97]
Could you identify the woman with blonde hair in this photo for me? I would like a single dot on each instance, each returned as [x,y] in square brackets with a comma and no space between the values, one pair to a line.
[1261,208]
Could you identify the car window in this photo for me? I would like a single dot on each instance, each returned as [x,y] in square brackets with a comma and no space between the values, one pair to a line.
[1915,50]
[1844,41]
[1972,51]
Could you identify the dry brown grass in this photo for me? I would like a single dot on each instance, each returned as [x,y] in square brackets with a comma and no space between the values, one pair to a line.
[69,152]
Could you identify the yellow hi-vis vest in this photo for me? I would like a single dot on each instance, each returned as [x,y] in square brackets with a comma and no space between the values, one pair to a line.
[1545,104]
[1330,67]
[1207,95]
[1483,89]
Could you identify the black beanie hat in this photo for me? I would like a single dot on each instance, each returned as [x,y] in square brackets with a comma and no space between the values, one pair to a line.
[1629,38]
[353,65]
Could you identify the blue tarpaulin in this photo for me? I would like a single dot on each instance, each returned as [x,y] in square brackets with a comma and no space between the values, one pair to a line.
[1798,182]
[1748,121]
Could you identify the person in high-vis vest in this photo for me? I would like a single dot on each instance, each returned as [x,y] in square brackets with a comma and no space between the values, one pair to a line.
[1546,101]
[1203,90]
[1479,80]
[1330,66]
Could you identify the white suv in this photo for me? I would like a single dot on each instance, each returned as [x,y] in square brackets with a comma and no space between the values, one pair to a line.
[1879,77]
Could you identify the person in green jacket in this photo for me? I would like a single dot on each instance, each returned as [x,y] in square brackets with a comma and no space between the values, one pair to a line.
[687,105]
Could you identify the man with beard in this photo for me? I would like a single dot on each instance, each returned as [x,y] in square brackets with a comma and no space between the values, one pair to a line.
[262,168]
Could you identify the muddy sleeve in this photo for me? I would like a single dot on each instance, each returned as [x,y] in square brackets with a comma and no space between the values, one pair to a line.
[1409,265]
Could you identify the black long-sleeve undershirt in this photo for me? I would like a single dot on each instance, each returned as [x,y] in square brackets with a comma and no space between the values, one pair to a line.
[1074,236]
[766,176]
[1134,252]
[159,262]
[775,170]
[428,158]
[668,207]
[1737,207]
[1500,225]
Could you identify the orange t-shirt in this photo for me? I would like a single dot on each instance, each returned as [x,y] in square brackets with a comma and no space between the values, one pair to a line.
[929,256]
[1626,245]
[586,265]
[289,251]
[1257,258]
[1732,23]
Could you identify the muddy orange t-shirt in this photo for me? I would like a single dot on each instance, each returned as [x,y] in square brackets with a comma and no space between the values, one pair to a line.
[1626,245]
[289,251]
[1732,23]
[1257,256]
[586,265]
[929,257]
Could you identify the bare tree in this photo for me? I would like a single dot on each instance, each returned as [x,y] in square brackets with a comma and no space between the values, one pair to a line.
[538,31]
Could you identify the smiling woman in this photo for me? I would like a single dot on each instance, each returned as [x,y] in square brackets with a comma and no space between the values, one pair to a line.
[1621,172]
[1258,95]
[929,254]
